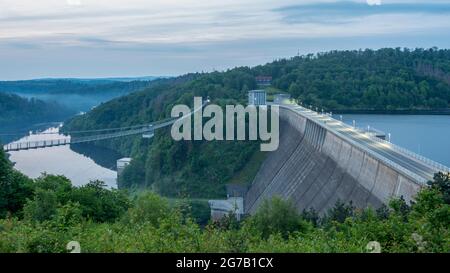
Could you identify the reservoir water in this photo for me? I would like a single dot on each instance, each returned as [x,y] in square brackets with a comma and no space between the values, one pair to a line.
[80,163]
[428,135]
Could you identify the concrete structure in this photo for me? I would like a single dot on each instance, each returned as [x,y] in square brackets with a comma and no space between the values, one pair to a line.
[221,208]
[281,98]
[263,80]
[236,190]
[321,160]
[257,97]
[121,164]
[148,134]
[377,133]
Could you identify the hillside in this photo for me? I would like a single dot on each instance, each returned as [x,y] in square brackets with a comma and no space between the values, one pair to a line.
[173,168]
[17,112]
[73,86]
[385,79]
[79,95]
[41,215]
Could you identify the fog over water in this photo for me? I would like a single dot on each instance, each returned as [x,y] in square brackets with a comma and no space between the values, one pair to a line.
[427,135]
[60,160]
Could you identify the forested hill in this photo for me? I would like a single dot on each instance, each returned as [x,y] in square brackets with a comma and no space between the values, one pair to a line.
[73,86]
[79,95]
[17,112]
[384,79]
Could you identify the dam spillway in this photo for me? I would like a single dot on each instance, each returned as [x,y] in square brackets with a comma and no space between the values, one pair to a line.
[320,161]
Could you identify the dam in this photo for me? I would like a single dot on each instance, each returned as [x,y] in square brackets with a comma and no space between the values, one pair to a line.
[321,160]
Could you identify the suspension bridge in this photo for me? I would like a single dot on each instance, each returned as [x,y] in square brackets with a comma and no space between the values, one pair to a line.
[320,160]
[146,130]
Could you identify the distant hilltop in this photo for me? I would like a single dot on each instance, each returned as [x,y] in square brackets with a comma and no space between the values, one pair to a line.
[116,85]
[108,79]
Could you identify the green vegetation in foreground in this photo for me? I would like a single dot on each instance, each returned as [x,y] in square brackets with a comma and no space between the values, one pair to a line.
[385,79]
[43,215]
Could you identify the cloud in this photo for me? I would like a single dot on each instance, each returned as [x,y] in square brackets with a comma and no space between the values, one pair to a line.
[192,33]
[374,2]
[171,22]
[74,2]
[345,11]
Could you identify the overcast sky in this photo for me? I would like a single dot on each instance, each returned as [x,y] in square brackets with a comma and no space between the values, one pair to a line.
[104,38]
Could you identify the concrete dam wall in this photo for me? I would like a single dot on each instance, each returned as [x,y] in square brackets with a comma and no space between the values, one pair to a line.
[315,167]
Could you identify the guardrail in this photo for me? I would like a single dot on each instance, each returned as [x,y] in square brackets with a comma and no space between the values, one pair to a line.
[415,177]
[137,129]
[438,166]
[111,135]
[16,146]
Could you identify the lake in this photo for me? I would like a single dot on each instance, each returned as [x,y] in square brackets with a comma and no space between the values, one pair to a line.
[80,163]
[428,135]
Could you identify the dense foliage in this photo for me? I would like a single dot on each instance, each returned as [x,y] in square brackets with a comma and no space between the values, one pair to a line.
[177,169]
[15,110]
[15,188]
[78,95]
[383,79]
[71,86]
[45,214]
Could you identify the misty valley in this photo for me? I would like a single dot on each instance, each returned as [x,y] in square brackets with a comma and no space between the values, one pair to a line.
[333,183]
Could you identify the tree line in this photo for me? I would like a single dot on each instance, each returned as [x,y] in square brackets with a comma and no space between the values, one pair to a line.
[386,79]
[18,112]
[42,215]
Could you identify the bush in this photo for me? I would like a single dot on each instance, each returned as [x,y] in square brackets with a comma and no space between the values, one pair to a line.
[42,207]
[15,188]
[99,203]
[442,183]
[148,208]
[277,216]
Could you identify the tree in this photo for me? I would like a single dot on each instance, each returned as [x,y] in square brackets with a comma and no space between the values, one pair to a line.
[132,175]
[148,208]
[15,188]
[60,185]
[312,216]
[400,207]
[277,216]
[99,203]
[441,182]
[42,207]
[294,89]
[340,212]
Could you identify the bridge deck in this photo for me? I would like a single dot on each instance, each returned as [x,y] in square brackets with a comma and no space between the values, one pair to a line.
[121,132]
[420,168]
[417,165]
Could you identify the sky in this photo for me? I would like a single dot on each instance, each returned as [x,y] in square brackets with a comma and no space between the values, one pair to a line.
[124,38]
